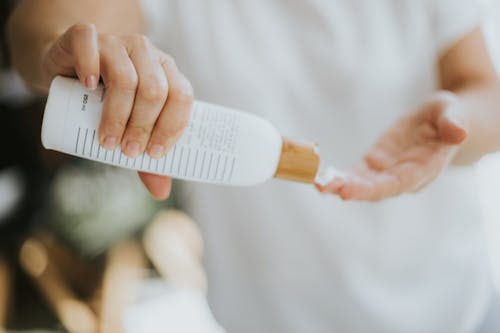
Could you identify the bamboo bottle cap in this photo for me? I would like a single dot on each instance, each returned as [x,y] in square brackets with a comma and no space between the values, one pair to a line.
[298,162]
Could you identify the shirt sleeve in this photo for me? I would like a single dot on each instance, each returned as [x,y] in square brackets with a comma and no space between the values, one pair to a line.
[453,19]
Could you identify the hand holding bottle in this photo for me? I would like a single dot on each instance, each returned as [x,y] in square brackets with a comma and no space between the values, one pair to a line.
[148,100]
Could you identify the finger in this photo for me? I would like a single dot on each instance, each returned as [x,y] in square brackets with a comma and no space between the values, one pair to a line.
[376,186]
[326,176]
[120,80]
[358,185]
[379,159]
[451,129]
[436,106]
[175,115]
[340,179]
[360,190]
[81,43]
[332,187]
[442,112]
[150,96]
[158,186]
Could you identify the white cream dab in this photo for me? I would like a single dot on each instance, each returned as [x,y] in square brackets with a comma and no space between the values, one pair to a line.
[328,174]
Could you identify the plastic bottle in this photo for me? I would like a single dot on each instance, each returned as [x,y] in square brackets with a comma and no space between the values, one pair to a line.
[219,145]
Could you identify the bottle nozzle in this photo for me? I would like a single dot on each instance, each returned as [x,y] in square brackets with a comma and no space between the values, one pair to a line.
[298,162]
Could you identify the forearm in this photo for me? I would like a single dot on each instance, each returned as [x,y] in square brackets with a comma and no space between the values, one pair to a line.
[479,107]
[35,24]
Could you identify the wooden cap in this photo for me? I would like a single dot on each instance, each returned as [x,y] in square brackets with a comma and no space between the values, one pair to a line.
[299,161]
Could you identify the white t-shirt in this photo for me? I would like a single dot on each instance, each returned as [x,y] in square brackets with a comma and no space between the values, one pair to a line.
[281,257]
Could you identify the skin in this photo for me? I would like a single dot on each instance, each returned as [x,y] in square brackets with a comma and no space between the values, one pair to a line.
[457,125]
[149,100]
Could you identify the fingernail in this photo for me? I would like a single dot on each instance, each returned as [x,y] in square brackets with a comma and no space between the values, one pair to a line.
[109,142]
[156,151]
[132,149]
[91,82]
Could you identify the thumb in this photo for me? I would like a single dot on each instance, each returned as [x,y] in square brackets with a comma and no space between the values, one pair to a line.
[158,186]
[76,52]
[451,127]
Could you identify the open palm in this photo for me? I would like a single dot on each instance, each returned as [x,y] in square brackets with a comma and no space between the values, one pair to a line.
[408,156]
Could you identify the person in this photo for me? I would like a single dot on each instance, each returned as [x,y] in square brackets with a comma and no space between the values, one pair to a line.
[400,94]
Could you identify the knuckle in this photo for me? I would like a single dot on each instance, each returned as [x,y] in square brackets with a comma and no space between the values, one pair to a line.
[114,125]
[108,39]
[170,130]
[182,93]
[137,130]
[372,160]
[168,60]
[176,129]
[124,82]
[163,137]
[140,40]
[153,91]
[160,136]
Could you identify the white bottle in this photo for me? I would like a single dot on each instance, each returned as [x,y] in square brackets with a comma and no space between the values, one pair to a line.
[219,145]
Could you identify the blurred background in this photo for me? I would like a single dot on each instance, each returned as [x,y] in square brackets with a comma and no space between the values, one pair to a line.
[91,246]
[78,253]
